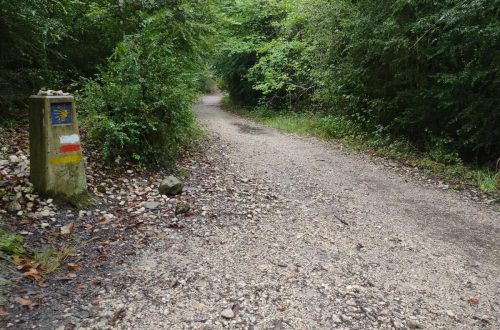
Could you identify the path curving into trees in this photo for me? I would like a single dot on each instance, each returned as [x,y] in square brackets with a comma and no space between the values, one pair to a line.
[303,235]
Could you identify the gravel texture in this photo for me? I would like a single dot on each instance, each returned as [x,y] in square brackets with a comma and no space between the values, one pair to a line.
[274,231]
[294,233]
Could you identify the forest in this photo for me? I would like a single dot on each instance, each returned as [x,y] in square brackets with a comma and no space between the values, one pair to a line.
[418,74]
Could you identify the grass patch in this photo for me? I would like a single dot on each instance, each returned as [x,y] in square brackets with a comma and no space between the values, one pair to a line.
[48,259]
[488,180]
[51,259]
[437,162]
[10,244]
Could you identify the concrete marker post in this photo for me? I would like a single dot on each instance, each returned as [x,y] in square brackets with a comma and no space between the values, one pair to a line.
[56,159]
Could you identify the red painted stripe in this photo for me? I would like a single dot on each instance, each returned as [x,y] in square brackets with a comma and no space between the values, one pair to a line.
[69,148]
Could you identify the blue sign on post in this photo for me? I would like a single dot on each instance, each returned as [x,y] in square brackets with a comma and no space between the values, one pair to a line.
[61,113]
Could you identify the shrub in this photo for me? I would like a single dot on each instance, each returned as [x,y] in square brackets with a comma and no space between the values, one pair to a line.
[140,106]
[420,70]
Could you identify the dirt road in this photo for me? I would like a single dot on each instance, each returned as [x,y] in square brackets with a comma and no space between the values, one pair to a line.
[293,233]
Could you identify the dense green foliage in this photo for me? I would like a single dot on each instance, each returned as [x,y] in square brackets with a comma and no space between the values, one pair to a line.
[135,66]
[140,106]
[51,43]
[421,70]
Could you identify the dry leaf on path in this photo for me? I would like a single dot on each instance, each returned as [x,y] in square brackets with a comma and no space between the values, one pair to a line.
[473,301]
[18,260]
[71,276]
[34,275]
[26,302]
[3,311]
[73,266]
[68,229]
[119,315]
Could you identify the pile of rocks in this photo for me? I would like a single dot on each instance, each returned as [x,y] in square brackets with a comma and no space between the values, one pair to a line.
[51,92]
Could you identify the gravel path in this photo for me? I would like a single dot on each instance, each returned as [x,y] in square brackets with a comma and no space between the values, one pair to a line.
[293,233]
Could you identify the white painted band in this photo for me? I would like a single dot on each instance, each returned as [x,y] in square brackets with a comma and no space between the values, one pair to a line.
[70,139]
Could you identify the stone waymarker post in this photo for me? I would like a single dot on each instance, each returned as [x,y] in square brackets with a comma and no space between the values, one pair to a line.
[57,166]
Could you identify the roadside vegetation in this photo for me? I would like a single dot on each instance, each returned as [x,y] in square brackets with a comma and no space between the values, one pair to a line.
[135,67]
[413,80]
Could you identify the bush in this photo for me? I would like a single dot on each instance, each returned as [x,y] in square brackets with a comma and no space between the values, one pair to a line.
[140,106]
[420,70]
[52,43]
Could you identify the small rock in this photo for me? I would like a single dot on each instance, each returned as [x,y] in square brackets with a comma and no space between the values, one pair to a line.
[44,225]
[336,319]
[345,318]
[260,287]
[14,206]
[412,325]
[485,318]
[227,313]
[151,205]
[13,159]
[171,186]
[450,314]
[45,213]
[397,324]
[182,208]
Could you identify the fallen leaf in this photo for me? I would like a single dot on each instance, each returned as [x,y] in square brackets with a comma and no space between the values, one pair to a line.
[26,302]
[35,276]
[96,282]
[81,287]
[74,267]
[119,315]
[18,260]
[3,311]
[71,276]
[25,266]
[473,301]
[68,229]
